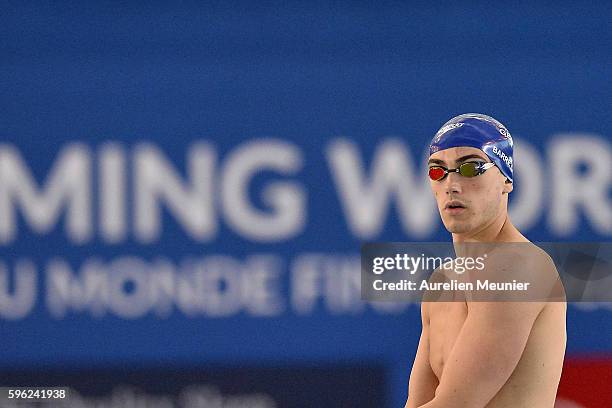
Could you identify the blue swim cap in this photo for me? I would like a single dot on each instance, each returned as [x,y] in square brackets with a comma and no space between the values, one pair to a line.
[479,131]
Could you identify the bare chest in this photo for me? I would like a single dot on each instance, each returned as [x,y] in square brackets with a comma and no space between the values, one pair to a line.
[445,322]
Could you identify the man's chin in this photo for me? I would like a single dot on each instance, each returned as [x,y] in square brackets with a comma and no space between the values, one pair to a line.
[457,227]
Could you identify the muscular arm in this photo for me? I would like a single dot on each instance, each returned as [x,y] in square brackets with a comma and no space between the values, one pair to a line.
[423,382]
[485,354]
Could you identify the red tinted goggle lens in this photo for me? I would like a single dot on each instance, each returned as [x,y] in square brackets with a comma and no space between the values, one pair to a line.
[436,173]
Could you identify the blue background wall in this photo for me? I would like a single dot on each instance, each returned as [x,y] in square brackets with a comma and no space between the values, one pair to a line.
[308,75]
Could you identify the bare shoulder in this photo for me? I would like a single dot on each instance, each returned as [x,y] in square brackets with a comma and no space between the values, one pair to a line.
[528,263]
[521,257]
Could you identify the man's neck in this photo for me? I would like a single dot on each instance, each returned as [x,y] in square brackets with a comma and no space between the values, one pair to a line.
[500,229]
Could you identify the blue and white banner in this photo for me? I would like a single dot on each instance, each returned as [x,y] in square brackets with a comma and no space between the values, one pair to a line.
[190,185]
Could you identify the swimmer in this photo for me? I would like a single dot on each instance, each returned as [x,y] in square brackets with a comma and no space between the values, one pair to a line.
[486,353]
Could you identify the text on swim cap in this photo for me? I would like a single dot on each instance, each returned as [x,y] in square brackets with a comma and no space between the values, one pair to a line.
[446,129]
[498,152]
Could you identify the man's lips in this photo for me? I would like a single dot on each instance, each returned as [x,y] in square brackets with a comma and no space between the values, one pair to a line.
[454,204]
[454,207]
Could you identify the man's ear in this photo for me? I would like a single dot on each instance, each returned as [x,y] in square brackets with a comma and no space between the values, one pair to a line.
[508,187]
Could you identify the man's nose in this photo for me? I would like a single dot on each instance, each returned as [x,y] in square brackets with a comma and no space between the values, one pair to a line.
[453,183]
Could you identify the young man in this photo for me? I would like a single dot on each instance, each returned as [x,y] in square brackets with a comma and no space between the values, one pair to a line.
[485,353]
